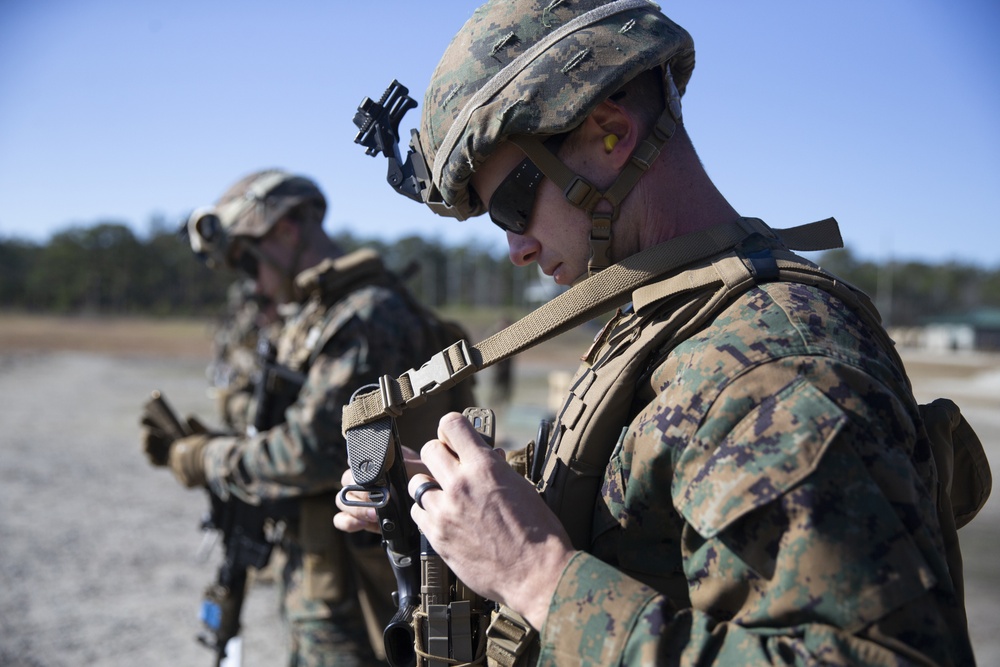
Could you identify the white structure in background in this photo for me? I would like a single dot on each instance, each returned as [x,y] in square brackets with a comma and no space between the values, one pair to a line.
[943,337]
[977,330]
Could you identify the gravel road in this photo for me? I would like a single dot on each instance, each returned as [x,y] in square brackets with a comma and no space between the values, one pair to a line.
[97,550]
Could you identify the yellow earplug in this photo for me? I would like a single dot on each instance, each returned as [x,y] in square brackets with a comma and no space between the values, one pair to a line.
[609,142]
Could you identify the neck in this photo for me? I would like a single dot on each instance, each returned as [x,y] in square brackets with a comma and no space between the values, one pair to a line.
[317,246]
[679,197]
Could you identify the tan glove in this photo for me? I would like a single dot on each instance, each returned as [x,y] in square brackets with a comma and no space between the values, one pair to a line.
[187,460]
[157,441]
[161,428]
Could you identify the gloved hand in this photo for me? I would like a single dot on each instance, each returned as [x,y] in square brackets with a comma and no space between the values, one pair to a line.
[156,442]
[186,458]
[158,436]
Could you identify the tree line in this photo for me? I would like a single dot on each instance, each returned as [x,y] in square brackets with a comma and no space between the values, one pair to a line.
[106,269]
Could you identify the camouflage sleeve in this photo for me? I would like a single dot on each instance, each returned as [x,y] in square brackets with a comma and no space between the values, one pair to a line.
[307,454]
[793,530]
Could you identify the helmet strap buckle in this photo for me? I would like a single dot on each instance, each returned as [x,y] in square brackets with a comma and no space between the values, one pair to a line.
[600,241]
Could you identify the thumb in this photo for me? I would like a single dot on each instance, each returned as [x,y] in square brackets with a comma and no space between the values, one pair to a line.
[455,431]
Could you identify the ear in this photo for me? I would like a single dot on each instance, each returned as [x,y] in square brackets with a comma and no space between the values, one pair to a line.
[611,118]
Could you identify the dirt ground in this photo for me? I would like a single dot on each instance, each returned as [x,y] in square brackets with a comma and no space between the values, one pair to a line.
[98,550]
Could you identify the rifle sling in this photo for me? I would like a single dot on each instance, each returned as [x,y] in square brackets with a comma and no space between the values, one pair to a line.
[609,289]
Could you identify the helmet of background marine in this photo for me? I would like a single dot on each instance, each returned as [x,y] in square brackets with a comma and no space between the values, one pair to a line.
[249,209]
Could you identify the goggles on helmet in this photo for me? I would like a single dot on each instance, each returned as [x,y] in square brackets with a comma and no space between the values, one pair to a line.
[212,239]
[208,237]
[211,244]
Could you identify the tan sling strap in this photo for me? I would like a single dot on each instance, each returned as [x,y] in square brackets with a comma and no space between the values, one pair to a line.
[597,294]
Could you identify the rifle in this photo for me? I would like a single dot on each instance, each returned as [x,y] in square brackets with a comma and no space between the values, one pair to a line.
[163,416]
[451,618]
[275,387]
[245,544]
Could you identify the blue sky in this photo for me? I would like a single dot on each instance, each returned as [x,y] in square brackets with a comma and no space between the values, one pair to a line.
[882,113]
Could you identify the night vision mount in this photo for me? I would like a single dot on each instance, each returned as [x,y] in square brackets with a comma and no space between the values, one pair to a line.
[378,131]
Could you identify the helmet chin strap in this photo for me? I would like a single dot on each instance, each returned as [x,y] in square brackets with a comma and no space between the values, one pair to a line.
[293,270]
[585,195]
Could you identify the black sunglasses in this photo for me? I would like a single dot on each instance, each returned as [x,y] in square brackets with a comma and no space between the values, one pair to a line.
[512,201]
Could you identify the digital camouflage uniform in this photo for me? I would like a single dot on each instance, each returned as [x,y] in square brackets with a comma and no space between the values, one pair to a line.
[235,359]
[343,337]
[755,486]
[766,502]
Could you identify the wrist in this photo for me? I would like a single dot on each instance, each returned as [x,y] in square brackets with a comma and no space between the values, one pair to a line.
[533,597]
[187,460]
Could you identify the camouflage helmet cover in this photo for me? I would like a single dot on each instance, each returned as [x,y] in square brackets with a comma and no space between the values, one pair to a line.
[250,208]
[252,205]
[536,67]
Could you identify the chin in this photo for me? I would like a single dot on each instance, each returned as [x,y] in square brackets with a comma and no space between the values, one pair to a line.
[567,277]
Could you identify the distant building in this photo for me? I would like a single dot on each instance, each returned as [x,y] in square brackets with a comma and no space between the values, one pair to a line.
[976,330]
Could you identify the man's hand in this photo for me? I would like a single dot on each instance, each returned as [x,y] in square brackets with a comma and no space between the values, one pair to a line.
[488,523]
[355,519]
[161,429]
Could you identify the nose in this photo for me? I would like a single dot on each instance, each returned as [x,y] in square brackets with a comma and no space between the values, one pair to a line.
[523,249]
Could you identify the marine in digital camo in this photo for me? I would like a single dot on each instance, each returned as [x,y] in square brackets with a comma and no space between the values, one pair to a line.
[237,346]
[739,473]
[347,322]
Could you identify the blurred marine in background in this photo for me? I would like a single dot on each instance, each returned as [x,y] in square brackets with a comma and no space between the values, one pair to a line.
[345,321]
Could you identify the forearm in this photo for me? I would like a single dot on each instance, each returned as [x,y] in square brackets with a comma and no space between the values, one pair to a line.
[272,465]
[303,455]
[600,631]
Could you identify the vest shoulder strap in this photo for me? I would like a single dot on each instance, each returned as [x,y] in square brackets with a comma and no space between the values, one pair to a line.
[332,279]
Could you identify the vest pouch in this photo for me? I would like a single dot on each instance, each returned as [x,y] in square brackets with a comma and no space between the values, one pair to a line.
[964,480]
[566,488]
[964,476]
[512,642]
